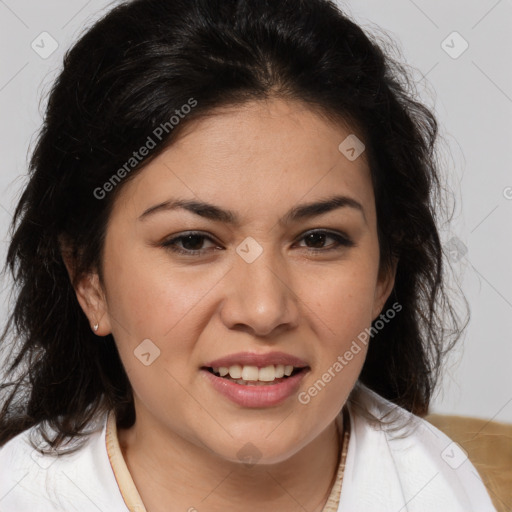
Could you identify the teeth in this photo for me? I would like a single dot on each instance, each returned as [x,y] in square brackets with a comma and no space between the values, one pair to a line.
[288,369]
[267,374]
[235,371]
[250,373]
[243,374]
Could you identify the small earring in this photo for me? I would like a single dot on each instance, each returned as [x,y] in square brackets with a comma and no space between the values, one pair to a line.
[95,327]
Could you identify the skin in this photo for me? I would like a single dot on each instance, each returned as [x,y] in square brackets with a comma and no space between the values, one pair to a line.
[258,160]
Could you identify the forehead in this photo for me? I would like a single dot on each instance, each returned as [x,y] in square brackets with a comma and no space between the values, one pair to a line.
[254,158]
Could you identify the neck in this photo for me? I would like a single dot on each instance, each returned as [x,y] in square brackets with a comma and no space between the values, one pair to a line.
[169,469]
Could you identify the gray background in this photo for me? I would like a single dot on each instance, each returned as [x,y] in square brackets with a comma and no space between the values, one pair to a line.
[471,93]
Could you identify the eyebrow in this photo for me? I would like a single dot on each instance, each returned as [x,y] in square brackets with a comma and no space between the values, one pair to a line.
[295,214]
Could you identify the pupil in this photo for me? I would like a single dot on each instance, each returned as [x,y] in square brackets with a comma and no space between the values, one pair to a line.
[317,236]
[186,241]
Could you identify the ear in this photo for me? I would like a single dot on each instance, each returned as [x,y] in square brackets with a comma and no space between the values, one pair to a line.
[90,295]
[385,284]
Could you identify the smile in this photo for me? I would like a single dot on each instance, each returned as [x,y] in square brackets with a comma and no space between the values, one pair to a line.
[252,375]
[247,391]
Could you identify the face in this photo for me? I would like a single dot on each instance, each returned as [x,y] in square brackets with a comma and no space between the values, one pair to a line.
[234,284]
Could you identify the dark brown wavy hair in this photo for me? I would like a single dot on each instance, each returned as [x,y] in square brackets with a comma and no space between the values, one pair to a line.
[127,75]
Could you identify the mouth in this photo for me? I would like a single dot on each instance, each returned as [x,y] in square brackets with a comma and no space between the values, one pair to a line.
[251,379]
[251,386]
[250,375]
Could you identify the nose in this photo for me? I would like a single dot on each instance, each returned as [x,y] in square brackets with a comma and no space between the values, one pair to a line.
[259,297]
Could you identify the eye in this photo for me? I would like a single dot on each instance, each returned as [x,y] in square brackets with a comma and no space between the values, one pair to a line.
[192,244]
[318,238]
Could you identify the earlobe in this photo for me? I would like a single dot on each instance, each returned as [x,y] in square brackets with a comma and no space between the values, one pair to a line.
[91,298]
[89,294]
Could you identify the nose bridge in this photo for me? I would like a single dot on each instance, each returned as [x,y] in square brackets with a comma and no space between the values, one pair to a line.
[260,296]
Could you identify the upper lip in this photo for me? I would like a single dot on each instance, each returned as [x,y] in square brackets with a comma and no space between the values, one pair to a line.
[259,360]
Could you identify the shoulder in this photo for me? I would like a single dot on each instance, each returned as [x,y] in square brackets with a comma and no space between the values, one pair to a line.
[78,481]
[405,461]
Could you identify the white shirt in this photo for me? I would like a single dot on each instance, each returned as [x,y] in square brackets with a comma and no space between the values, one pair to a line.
[414,469]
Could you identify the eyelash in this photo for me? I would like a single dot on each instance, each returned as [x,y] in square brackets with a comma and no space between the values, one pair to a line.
[341,241]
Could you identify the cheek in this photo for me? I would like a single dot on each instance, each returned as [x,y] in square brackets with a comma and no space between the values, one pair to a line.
[155,311]
[149,294]
[167,304]
[343,298]
[342,317]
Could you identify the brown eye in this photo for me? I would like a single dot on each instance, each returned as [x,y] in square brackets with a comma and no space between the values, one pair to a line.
[315,241]
[192,244]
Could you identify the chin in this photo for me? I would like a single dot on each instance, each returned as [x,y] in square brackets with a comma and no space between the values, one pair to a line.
[256,450]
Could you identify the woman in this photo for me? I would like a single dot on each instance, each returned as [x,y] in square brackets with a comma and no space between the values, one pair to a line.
[230,282]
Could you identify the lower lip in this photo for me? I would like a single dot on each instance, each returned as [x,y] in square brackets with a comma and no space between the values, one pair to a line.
[256,396]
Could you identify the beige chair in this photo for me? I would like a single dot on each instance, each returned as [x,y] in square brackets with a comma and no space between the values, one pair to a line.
[489,448]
